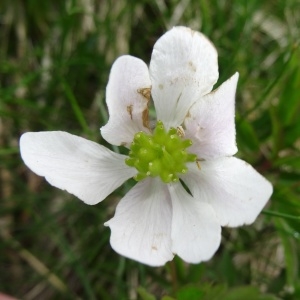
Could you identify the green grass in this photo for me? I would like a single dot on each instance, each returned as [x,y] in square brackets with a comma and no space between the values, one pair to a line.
[55,58]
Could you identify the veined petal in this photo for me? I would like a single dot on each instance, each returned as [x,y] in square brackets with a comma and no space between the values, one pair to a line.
[235,190]
[196,233]
[183,68]
[81,167]
[210,122]
[141,227]
[127,97]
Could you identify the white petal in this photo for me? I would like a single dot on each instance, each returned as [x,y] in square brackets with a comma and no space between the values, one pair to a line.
[127,97]
[183,68]
[196,233]
[141,227]
[235,190]
[83,168]
[210,122]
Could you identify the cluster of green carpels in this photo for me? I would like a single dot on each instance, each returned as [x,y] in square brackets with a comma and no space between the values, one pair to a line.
[161,154]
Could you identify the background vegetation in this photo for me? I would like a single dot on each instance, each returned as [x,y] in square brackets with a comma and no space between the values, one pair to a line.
[55,58]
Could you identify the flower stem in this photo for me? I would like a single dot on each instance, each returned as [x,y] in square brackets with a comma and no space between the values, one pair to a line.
[173,273]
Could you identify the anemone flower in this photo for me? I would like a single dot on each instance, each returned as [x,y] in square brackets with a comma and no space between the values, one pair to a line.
[189,184]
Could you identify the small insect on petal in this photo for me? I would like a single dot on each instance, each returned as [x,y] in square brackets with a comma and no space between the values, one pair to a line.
[180,131]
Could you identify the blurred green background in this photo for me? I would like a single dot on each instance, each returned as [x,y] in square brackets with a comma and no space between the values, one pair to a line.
[55,58]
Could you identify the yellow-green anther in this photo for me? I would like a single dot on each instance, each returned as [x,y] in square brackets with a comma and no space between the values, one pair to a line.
[161,154]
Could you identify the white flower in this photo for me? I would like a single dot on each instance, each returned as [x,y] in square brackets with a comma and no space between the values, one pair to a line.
[159,216]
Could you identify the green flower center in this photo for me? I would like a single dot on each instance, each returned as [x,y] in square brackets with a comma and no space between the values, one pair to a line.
[161,154]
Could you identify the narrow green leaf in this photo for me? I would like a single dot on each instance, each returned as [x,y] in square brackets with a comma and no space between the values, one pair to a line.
[280,215]
[76,108]
[246,135]
[144,294]
[290,254]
